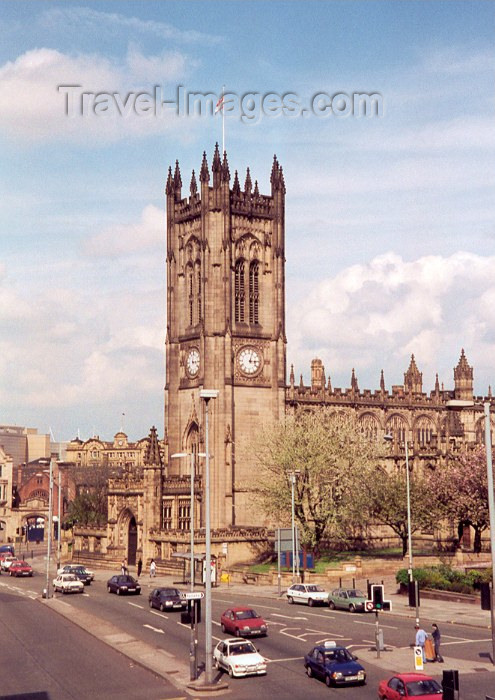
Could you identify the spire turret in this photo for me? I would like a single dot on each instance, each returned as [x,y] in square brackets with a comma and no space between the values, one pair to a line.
[382,382]
[248,185]
[177,182]
[193,187]
[225,168]
[463,379]
[236,188]
[169,189]
[354,381]
[152,454]
[204,174]
[413,378]
[216,167]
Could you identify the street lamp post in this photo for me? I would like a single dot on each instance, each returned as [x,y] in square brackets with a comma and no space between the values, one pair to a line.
[193,642]
[207,395]
[293,477]
[59,524]
[389,438]
[459,403]
[50,526]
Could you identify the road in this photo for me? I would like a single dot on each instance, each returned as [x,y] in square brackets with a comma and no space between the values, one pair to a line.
[292,632]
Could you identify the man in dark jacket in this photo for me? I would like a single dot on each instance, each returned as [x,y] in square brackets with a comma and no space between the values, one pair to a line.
[436,642]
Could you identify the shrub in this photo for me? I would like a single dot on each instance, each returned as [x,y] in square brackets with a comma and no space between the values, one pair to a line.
[444,578]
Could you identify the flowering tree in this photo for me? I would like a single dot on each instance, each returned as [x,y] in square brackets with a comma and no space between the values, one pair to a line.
[332,454]
[386,502]
[461,492]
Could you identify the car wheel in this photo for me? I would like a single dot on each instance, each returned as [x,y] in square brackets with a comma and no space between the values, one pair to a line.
[331,605]
[290,599]
[118,591]
[161,607]
[309,671]
[231,672]
[223,628]
[215,663]
[109,589]
[151,604]
[328,681]
[311,602]
[352,608]
[237,632]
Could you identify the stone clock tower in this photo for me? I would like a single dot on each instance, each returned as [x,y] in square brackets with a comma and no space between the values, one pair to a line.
[225,327]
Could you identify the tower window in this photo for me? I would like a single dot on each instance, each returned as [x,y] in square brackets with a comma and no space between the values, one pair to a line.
[239,291]
[254,292]
[190,294]
[198,291]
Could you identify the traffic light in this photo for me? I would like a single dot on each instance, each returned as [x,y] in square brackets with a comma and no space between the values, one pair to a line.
[378,598]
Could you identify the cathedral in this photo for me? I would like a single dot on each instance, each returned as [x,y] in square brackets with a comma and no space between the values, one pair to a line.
[225,269]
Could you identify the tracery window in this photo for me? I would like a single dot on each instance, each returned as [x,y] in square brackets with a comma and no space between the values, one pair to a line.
[396,427]
[198,291]
[424,431]
[184,515]
[369,425]
[190,294]
[254,292]
[239,291]
[167,515]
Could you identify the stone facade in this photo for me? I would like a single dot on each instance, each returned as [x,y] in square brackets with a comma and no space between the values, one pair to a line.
[226,331]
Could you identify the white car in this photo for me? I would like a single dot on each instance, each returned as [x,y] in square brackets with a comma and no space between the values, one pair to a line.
[308,593]
[6,562]
[239,657]
[68,583]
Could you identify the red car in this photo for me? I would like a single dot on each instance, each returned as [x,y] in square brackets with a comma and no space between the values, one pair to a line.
[410,685]
[20,568]
[243,622]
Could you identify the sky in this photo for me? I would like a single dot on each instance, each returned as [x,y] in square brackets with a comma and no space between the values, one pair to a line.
[389,216]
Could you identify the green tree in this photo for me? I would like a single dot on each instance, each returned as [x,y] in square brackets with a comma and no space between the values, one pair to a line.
[90,505]
[331,453]
[385,500]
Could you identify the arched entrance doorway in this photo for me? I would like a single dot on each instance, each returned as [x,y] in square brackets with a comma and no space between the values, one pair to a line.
[132,541]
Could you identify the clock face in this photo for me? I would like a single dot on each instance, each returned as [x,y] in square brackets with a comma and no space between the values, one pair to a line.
[249,361]
[192,362]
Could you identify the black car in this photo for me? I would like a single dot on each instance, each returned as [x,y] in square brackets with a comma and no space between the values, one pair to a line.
[334,664]
[166,599]
[122,583]
[79,572]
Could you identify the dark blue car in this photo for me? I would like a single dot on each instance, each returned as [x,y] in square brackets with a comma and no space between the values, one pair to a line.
[334,664]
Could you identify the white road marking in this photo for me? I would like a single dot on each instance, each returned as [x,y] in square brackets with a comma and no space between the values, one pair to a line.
[216,623]
[155,629]
[153,612]
[222,600]
[291,658]
[373,624]
[286,617]
[135,605]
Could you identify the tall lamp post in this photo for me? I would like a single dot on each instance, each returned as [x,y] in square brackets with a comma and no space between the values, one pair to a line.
[293,478]
[389,438]
[207,395]
[50,526]
[192,644]
[458,403]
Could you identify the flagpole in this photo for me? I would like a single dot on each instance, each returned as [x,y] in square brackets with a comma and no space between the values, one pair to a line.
[223,121]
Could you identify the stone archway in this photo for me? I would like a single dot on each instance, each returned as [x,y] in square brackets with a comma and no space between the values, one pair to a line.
[132,538]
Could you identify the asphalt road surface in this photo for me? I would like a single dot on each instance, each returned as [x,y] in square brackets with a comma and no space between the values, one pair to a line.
[293,630]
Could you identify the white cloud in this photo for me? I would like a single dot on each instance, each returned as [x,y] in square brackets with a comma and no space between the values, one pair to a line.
[375,315]
[37,106]
[125,239]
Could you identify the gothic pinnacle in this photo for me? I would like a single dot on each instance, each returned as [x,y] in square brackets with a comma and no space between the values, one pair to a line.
[216,165]
[177,177]
[225,168]
[170,181]
[204,175]
[248,184]
[236,188]
[193,187]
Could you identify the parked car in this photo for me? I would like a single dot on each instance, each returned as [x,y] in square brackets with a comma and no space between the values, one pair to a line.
[238,657]
[20,568]
[334,664]
[243,622]
[68,583]
[166,599]
[308,593]
[351,599]
[79,572]
[6,561]
[410,685]
[122,584]
[7,549]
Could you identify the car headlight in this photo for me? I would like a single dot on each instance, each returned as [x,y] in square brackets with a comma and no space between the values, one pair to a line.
[361,675]
[337,674]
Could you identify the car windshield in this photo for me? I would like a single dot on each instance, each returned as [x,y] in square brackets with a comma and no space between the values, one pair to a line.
[169,591]
[246,614]
[423,687]
[341,655]
[355,593]
[315,589]
[245,648]
[21,563]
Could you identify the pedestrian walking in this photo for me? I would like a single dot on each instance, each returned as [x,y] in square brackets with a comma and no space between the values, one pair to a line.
[437,637]
[123,566]
[139,567]
[152,568]
[420,640]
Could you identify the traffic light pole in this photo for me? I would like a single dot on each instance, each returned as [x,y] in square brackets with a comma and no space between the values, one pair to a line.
[377,635]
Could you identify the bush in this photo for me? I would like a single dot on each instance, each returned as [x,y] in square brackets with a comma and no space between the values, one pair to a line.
[444,578]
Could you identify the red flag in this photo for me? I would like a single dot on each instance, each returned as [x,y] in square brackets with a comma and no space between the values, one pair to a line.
[220,104]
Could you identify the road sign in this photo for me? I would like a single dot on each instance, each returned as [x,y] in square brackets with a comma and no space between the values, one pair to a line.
[369,605]
[418,659]
[194,595]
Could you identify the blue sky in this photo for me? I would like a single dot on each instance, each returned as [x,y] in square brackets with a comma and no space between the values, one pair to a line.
[390,220]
